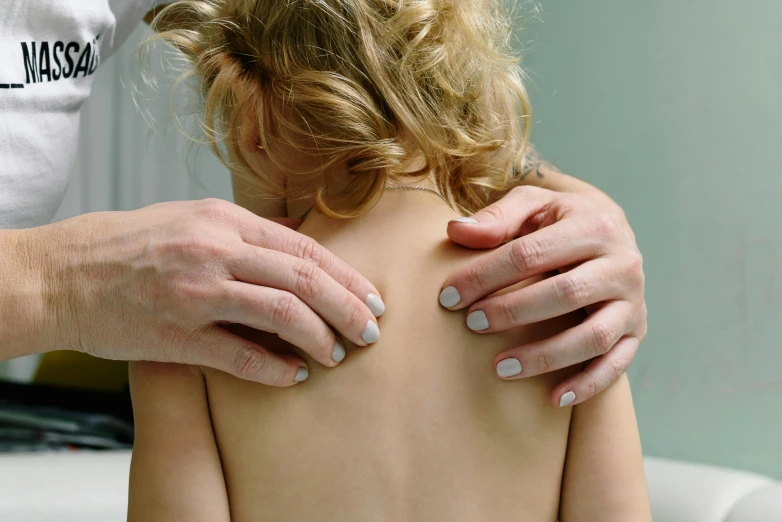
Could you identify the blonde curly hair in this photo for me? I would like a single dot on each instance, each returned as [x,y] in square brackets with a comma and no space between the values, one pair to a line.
[362,82]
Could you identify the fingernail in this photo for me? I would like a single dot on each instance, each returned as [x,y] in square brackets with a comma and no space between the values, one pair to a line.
[465,220]
[477,321]
[508,367]
[566,399]
[375,305]
[339,352]
[371,333]
[302,374]
[450,297]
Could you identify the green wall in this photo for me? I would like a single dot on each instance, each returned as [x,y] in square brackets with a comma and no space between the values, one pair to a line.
[673,108]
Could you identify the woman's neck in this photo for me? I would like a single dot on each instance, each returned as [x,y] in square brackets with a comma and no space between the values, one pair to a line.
[425,186]
[393,204]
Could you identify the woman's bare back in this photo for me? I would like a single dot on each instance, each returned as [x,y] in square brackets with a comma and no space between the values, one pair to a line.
[415,427]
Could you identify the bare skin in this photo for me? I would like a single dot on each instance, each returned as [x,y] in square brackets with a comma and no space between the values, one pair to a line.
[611,334]
[416,427]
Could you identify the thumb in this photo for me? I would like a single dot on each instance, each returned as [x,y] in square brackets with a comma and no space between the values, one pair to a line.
[292,223]
[501,221]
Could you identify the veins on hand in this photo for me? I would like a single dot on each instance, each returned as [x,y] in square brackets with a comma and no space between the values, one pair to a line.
[534,164]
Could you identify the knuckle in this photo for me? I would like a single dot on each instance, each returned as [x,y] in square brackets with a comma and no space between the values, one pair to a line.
[194,292]
[307,283]
[590,388]
[603,338]
[573,291]
[636,262]
[495,211]
[527,254]
[326,345]
[636,270]
[475,278]
[643,326]
[251,363]
[285,311]
[196,246]
[308,249]
[212,209]
[353,283]
[510,312]
[544,362]
[191,290]
[604,225]
[225,298]
[616,367]
[357,321]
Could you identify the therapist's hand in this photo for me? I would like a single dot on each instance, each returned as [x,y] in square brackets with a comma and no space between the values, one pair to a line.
[157,284]
[600,270]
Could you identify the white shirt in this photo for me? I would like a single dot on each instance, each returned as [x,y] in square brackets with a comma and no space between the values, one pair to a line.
[49,51]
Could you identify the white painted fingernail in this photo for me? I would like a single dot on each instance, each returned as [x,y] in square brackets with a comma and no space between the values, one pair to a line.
[375,305]
[566,399]
[302,374]
[371,333]
[477,321]
[508,367]
[465,220]
[450,297]
[339,352]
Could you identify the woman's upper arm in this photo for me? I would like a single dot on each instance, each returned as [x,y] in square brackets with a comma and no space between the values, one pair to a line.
[175,473]
[604,475]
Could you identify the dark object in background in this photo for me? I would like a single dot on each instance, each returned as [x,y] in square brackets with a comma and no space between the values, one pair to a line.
[45,418]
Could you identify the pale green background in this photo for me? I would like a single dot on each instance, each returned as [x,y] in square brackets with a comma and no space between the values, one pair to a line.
[673,108]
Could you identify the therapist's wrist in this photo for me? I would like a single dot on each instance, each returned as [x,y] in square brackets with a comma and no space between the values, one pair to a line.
[26,324]
[60,254]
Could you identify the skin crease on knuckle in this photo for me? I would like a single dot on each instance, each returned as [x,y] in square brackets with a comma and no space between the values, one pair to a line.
[589,386]
[603,338]
[572,292]
[508,308]
[307,249]
[544,362]
[616,366]
[308,284]
[474,279]
[285,312]
[527,255]
[251,363]
[358,321]
[214,210]
[354,281]
[495,211]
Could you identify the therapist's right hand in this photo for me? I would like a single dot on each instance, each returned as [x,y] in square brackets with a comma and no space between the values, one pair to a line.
[159,284]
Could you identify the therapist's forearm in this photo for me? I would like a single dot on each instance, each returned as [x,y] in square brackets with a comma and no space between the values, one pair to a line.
[25,324]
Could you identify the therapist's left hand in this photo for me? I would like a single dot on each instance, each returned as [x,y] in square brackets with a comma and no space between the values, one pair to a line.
[600,270]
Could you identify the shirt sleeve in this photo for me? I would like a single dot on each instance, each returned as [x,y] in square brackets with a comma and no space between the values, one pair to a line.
[128,14]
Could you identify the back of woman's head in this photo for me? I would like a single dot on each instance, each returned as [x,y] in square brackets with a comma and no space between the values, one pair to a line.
[367,83]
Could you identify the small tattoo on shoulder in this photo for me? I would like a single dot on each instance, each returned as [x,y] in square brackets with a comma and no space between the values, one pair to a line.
[534,164]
